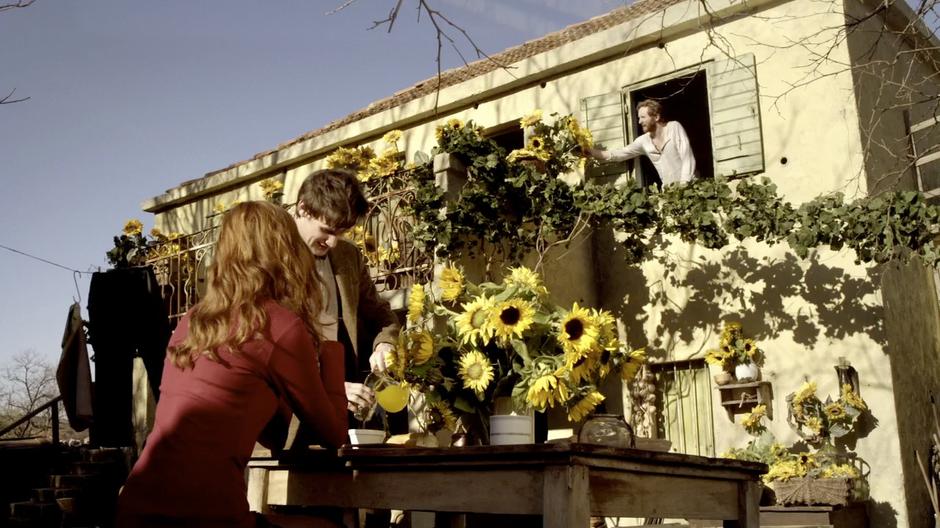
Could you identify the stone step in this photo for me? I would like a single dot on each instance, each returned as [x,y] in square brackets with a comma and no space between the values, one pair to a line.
[36,511]
[96,468]
[105,454]
[74,481]
[51,494]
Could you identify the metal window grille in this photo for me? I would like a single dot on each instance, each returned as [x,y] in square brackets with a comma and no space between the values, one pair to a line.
[684,406]
[181,264]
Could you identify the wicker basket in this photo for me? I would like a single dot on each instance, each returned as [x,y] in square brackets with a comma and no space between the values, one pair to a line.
[828,491]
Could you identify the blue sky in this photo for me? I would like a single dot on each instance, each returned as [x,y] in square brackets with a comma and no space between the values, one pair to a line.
[130,98]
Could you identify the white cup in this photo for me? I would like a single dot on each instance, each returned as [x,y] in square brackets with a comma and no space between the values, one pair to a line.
[506,429]
[366,436]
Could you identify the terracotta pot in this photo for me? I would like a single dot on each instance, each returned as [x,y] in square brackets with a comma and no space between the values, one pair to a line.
[723,378]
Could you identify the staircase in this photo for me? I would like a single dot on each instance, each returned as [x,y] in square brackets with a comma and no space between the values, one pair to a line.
[82,493]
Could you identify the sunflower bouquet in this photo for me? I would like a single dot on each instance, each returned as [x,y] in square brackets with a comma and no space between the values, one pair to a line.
[820,422]
[557,147]
[734,348]
[364,161]
[134,248]
[468,344]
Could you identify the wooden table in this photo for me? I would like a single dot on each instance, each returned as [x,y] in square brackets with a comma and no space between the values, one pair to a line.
[565,483]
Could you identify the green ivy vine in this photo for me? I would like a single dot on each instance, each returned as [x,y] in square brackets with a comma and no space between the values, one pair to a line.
[508,209]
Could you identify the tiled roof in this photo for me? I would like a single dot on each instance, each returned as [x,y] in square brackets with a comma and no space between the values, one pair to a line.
[483,66]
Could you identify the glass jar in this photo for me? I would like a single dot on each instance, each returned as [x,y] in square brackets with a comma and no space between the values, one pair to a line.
[607,429]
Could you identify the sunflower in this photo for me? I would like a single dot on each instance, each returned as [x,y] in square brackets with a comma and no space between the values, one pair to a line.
[451,283]
[636,360]
[814,424]
[270,187]
[852,398]
[840,471]
[133,227]
[511,318]
[422,347]
[579,133]
[449,126]
[752,422]
[520,154]
[750,348]
[577,333]
[526,279]
[392,136]
[606,327]
[475,371]
[397,359]
[387,163]
[579,369]
[543,392]
[439,416]
[416,304]
[584,406]
[835,411]
[806,391]
[531,119]
[536,143]
[784,470]
[473,324]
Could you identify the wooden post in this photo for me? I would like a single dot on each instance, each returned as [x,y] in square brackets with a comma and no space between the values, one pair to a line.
[55,422]
[565,497]
[748,506]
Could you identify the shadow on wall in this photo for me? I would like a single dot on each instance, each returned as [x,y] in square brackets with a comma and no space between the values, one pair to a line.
[757,292]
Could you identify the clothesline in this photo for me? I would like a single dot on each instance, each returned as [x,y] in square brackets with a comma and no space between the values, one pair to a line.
[25,254]
[75,272]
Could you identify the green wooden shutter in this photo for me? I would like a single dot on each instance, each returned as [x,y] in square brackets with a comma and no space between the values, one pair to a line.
[604,117]
[735,116]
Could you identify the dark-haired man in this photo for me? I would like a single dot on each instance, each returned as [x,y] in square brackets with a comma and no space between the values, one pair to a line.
[330,202]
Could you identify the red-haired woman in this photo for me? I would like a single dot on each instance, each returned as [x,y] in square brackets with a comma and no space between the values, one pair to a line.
[249,344]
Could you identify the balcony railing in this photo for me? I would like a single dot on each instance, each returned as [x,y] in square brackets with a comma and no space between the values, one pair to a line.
[385,238]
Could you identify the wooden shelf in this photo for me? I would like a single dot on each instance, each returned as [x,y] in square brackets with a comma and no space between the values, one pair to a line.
[738,398]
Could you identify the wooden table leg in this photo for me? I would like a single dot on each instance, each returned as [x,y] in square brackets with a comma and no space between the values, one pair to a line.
[748,506]
[566,501]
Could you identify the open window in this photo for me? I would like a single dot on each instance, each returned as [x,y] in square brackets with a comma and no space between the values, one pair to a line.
[925,146]
[717,104]
[510,135]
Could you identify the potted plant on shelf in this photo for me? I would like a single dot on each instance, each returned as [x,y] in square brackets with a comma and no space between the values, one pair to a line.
[738,356]
[822,473]
[813,471]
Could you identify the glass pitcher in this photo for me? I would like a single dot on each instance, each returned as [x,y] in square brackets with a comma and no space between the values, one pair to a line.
[607,429]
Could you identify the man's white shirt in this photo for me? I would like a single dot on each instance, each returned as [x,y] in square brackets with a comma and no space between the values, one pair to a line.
[674,163]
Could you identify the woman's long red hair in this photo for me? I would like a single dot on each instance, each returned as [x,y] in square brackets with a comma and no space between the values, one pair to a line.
[260,256]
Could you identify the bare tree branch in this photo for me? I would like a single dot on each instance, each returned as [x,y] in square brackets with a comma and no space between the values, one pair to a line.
[9,98]
[26,384]
[16,5]
[3,7]
[443,26]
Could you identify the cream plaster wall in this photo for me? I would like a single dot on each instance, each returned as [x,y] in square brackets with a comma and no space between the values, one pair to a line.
[805,314]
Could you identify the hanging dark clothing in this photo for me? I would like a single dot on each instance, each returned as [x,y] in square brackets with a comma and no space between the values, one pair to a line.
[127,318]
[73,375]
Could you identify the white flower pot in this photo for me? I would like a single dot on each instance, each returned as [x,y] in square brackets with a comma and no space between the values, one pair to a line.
[366,436]
[745,372]
[512,429]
